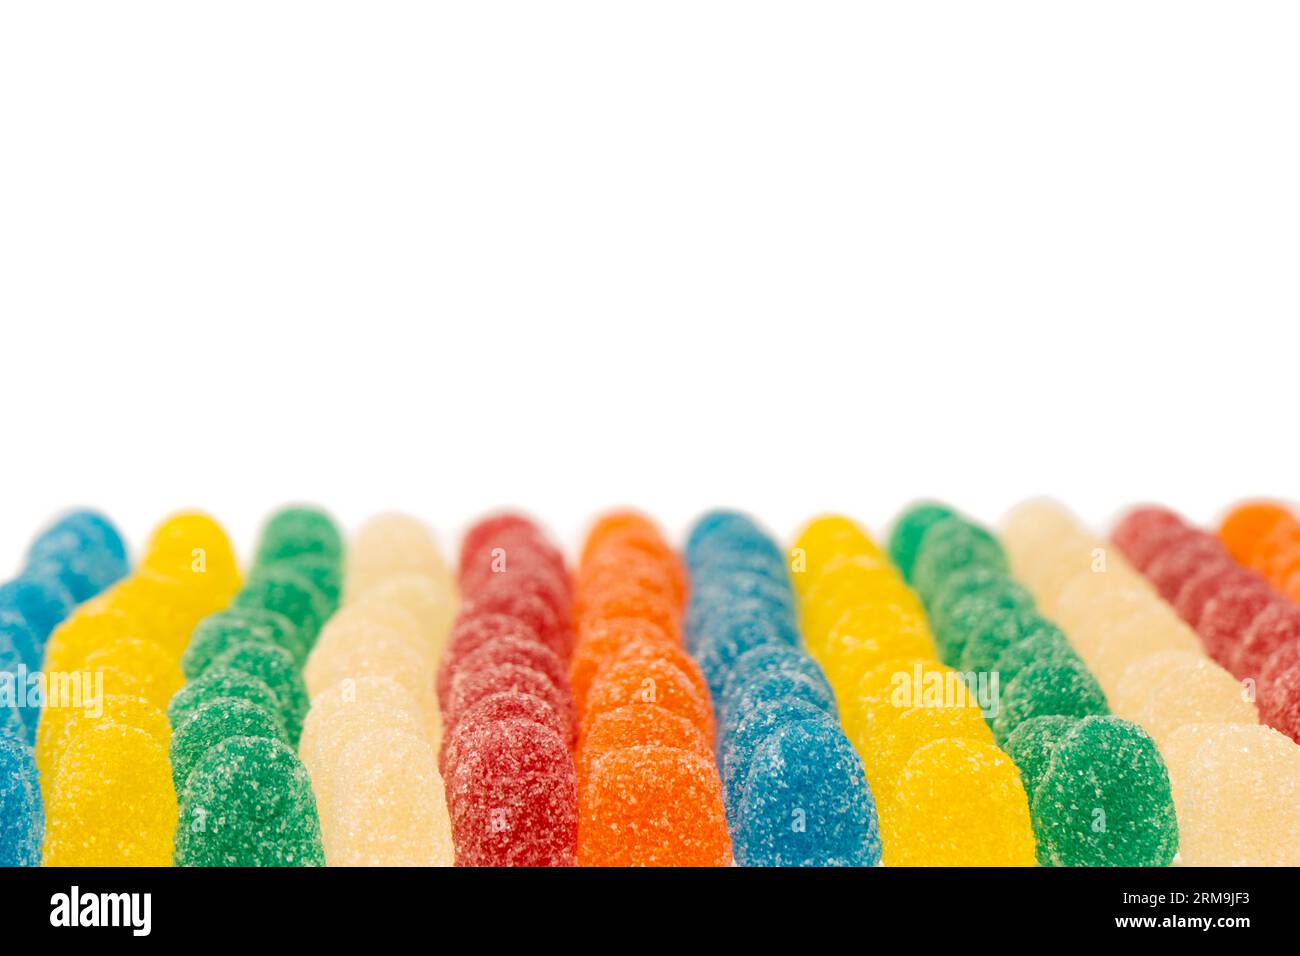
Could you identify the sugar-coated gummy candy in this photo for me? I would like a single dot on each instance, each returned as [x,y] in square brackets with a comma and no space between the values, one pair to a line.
[431,607]
[599,640]
[392,546]
[631,601]
[909,531]
[192,548]
[1274,627]
[325,574]
[213,722]
[41,600]
[1203,585]
[20,805]
[656,682]
[1173,688]
[787,685]
[966,617]
[218,632]
[1228,615]
[157,672]
[471,633]
[646,725]
[867,634]
[297,531]
[1239,772]
[527,608]
[112,802]
[513,797]
[913,728]
[640,649]
[286,591]
[393,811]
[1279,691]
[248,802]
[59,725]
[79,532]
[805,802]
[274,666]
[1175,567]
[1144,533]
[220,682]
[1105,800]
[507,650]
[758,661]
[1248,524]
[958,803]
[352,709]
[745,730]
[1040,646]
[11,670]
[383,654]
[501,706]
[998,631]
[468,688]
[950,545]
[652,806]
[1032,744]
[1062,687]
[16,635]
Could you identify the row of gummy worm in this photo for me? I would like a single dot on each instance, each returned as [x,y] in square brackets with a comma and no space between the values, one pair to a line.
[958,697]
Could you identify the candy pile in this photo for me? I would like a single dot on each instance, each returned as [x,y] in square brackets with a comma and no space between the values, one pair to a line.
[793,785]
[245,799]
[110,799]
[506,703]
[649,793]
[68,563]
[945,794]
[1098,789]
[369,740]
[1155,674]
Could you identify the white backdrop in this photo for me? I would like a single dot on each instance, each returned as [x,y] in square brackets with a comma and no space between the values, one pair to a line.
[783,257]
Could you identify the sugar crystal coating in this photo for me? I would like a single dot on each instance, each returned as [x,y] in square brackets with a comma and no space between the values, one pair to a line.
[17,635]
[216,633]
[282,589]
[513,797]
[1062,687]
[468,688]
[506,650]
[494,708]
[652,806]
[958,803]
[1173,688]
[220,682]
[393,812]
[296,531]
[654,682]
[248,802]
[112,802]
[392,546]
[1247,774]
[41,600]
[645,725]
[59,725]
[213,722]
[274,666]
[806,802]
[157,671]
[909,531]
[20,805]
[1105,800]
[193,549]
[745,732]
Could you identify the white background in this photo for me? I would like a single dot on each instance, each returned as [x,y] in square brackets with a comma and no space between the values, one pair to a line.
[783,257]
